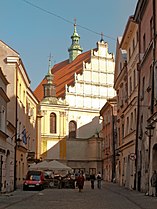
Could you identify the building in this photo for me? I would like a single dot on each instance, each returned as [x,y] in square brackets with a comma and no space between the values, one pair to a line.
[20,115]
[121,86]
[109,139]
[145,16]
[130,44]
[83,82]
[6,145]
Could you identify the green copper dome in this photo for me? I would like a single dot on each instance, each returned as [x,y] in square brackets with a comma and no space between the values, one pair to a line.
[75,48]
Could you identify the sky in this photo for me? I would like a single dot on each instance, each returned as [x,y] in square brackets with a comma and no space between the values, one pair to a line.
[38,28]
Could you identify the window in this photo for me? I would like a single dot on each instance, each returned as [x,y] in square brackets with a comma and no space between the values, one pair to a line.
[72,129]
[135,117]
[150,76]
[24,93]
[122,133]
[144,43]
[141,127]
[127,125]
[52,123]
[133,44]
[131,122]
[143,88]
[2,118]
[130,85]
[119,136]
[20,91]
[134,79]
[120,66]
[137,37]
[129,53]
[151,29]
[126,92]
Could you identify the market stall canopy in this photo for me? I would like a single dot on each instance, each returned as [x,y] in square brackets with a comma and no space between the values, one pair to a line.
[55,165]
[51,166]
[39,166]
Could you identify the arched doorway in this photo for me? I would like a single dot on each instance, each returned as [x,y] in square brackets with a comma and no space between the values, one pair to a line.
[72,129]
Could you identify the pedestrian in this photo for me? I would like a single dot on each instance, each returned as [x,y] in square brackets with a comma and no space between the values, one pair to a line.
[80,182]
[154,183]
[92,179]
[98,177]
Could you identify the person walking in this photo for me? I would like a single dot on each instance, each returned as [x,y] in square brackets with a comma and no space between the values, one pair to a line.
[92,179]
[80,182]
[154,183]
[98,177]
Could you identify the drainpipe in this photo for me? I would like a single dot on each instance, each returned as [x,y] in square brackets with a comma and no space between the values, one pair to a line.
[154,57]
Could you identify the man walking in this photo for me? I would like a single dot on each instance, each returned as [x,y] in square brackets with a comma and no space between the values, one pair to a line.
[92,179]
[98,177]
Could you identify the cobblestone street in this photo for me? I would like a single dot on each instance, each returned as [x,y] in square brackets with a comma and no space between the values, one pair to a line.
[111,196]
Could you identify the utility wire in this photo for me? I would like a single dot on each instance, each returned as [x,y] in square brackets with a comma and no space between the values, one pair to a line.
[66,20]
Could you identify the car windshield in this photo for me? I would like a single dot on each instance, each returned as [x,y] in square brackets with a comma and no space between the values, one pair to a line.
[33,177]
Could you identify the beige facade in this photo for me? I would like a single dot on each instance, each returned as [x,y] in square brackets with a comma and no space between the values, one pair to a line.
[121,86]
[6,145]
[130,44]
[109,136]
[21,111]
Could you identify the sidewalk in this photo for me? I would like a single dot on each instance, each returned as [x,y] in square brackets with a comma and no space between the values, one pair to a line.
[139,198]
[7,199]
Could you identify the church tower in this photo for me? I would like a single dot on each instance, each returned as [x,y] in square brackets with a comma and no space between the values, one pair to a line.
[49,86]
[75,48]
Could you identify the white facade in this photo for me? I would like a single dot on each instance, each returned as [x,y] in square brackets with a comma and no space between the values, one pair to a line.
[91,90]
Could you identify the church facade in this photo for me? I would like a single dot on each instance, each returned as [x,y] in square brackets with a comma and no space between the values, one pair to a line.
[71,97]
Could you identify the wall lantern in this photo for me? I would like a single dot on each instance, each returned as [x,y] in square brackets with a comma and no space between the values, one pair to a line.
[150,130]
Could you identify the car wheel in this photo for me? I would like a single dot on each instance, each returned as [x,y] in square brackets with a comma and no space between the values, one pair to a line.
[51,184]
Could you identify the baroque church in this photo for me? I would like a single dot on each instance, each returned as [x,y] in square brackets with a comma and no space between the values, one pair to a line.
[71,96]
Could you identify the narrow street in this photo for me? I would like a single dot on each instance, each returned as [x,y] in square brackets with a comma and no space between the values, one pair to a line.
[110,196]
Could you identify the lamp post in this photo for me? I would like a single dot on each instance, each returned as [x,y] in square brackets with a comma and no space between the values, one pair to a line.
[149,132]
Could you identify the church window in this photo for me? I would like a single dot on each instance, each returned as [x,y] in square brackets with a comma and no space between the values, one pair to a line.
[52,123]
[72,129]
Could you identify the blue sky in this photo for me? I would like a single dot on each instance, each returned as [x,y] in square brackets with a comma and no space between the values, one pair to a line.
[35,32]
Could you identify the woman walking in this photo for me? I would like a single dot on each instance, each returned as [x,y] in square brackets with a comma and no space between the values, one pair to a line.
[80,182]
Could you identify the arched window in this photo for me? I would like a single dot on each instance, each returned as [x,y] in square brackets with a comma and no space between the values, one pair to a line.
[72,129]
[52,123]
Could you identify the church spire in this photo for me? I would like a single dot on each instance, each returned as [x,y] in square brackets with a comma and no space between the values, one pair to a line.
[49,87]
[75,48]
[102,37]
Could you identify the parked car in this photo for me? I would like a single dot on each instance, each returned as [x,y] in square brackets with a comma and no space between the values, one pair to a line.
[34,180]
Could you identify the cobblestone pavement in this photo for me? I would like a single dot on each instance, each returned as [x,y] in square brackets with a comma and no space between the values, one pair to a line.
[110,196]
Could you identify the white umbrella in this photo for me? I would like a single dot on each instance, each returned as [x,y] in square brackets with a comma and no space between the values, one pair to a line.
[55,165]
[44,165]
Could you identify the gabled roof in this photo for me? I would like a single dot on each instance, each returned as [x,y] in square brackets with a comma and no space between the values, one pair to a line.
[64,74]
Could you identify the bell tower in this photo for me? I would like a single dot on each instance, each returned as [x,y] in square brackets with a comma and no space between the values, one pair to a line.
[75,48]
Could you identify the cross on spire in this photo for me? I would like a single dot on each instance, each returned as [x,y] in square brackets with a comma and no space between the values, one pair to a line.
[74,21]
[49,67]
[102,37]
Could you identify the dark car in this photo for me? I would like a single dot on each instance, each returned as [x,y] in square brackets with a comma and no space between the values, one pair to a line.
[34,180]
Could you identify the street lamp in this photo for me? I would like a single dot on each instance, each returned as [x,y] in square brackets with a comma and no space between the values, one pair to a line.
[149,132]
